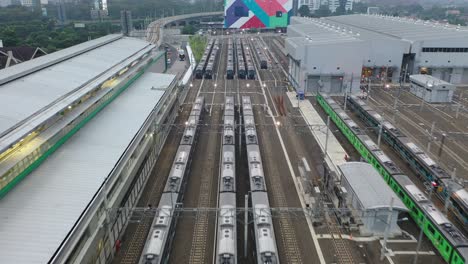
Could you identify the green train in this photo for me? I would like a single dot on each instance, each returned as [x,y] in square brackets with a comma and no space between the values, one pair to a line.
[446,238]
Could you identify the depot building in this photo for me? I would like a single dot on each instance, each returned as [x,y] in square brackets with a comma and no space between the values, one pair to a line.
[334,54]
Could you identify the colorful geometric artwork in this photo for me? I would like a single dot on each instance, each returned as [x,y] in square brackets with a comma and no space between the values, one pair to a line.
[257,13]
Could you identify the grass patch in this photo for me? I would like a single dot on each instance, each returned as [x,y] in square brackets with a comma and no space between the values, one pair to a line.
[198,44]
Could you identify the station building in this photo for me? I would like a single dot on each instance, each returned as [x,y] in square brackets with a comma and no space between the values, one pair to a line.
[370,196]
[80,131]
[335,53]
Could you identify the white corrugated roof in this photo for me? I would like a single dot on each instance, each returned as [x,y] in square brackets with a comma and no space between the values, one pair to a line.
[37,214]
[27,67]
[424,78]
[316,32]
[370,188]
[21,98]
[402,28]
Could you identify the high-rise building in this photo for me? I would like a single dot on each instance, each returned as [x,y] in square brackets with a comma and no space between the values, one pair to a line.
[4,3]
[61,13]
[126,22]
[314,5]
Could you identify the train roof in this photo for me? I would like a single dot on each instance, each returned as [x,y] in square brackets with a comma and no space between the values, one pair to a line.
[369,143]
[424,158]
[437,217]
[370,188]
[462,196]
[415,193]
[408,143]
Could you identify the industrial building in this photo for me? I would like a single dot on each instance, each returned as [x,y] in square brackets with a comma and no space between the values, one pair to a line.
[334,53]
[370,196]
[246,14]
[431,89]
[93,120]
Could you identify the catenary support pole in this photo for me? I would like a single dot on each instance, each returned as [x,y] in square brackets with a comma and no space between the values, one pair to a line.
[387,230]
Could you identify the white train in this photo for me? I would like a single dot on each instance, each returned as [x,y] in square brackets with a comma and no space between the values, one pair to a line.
[226,249]
[201,66]
[212,62]
[158,244]
[266,249]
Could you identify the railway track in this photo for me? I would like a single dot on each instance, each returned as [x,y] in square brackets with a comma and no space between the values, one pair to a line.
[194,234]
[200,238]
[341,246]
[409,117]
[286,228]
[137,240]
[137,231]
[286,235]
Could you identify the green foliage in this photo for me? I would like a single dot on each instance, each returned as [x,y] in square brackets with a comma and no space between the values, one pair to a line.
[46,35]
[323,11]
[188,30]
[198,44]
[304,11]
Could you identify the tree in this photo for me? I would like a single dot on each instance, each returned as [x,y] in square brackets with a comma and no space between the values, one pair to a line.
[341,9]
[323,11]
[360,7]
[9,37]
[188,30]
[304,11]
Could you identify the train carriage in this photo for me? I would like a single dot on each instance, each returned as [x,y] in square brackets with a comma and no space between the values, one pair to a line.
[230,70]
[212,62]
[226,249]
[201,66]
[419,161]
[241,67]
[266,249]
[447,239]
[261,53]
[459,201]
[158,244]
[181,53]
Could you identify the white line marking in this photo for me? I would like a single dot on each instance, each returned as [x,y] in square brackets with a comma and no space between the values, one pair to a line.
[429,253]
[293,175]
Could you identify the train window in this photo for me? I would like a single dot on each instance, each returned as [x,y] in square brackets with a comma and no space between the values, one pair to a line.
[400,193]
[430,229]
[279,14]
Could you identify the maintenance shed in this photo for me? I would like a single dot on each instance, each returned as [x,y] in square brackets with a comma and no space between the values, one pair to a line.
[370,196]
[431,89]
